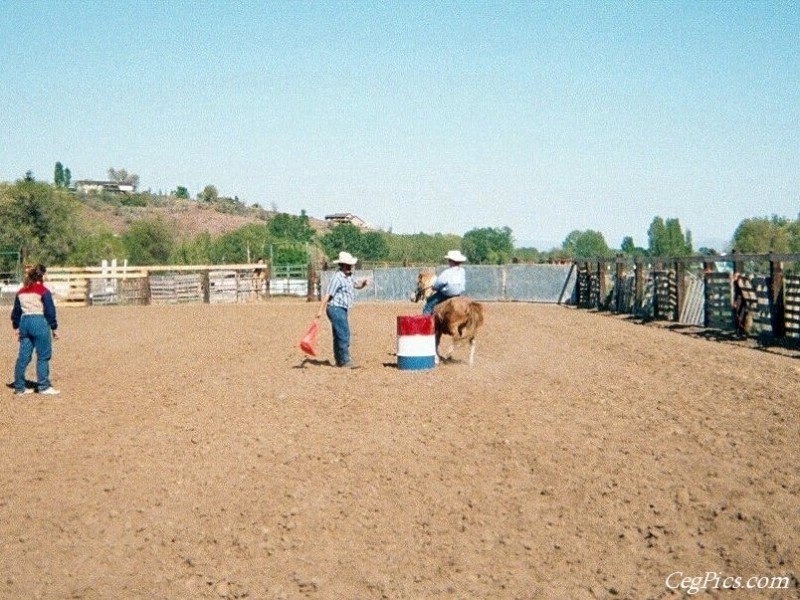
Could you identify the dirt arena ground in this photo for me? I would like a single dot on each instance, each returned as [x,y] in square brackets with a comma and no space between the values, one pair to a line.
[192,454]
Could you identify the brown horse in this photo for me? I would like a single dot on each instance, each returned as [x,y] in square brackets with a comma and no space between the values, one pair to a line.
[459,317]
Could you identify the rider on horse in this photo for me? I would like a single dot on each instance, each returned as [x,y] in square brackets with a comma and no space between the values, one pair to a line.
[449,283]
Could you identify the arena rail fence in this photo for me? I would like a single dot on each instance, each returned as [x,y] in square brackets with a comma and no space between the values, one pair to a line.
[744,295]
[173,284]
[127,285]
[545,283]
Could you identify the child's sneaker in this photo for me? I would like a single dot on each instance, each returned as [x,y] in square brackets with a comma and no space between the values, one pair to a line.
[51,391]
[23,392]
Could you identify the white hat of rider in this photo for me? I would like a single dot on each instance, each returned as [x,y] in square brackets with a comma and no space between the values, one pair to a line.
[456,256]
[345,258]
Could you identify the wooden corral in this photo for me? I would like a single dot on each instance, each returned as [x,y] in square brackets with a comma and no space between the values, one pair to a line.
[749,295]
[160,284]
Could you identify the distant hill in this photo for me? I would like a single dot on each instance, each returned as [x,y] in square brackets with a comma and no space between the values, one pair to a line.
[190,218]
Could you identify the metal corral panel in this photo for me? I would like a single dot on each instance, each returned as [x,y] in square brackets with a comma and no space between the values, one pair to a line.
[176,288]
[524,283]
[288,287]
[694,305]
[394,285]
[762,315]
[792,306]
[483,282]
[539,283]
[718,301]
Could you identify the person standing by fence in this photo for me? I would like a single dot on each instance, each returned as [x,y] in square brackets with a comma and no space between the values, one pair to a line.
[34,320]
[337,302]
[450,283]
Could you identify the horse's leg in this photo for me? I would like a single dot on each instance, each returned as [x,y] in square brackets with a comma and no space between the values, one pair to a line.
[438,338]
[471,351]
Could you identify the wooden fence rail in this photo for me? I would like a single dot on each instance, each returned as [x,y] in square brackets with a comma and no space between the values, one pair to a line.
[72,286]
[750,295]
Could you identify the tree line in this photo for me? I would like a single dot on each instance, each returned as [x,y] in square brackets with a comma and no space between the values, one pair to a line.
[42,222]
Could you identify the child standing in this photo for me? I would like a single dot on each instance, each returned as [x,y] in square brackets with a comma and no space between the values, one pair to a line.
[34,319]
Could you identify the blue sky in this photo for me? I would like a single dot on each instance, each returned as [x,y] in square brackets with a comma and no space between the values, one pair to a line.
[545,117]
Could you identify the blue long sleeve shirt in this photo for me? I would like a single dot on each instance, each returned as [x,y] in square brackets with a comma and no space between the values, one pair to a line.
[34,299]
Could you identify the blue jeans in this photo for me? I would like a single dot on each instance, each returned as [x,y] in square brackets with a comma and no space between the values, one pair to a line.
[341,334]
[432,301]
[34,334]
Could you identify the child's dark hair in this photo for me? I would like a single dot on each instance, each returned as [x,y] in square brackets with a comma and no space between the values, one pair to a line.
[35,273]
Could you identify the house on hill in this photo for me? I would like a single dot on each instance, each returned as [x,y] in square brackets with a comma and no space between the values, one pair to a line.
[339,218]
[115,187]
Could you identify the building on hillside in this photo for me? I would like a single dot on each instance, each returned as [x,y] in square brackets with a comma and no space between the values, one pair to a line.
[339,218]
[115,187]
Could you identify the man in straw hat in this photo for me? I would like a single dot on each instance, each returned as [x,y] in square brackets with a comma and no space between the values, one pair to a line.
[449,283]
[336,303]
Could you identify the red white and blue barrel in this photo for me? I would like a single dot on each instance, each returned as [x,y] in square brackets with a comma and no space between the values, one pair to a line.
[416,343]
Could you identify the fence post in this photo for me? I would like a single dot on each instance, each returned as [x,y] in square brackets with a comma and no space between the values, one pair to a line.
[680,287]
[708,268]
[737,263]
[601,285]
[638,284]
[777,309]
[311,283]
[620,274]
[205,284]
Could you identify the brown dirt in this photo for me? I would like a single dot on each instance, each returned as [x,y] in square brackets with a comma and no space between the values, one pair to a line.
[192,454]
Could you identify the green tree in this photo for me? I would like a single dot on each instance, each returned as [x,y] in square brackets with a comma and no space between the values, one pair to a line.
[667,239]
[181,192]
[39,219]
[67,178]
[58,175]
[585,244]
[420,248]
[527,255]
[194,251]
[762,234]
[288,253]
[628,248]
[488,245]
[289,227]
[657,237]
[149,242]
[234,246]
[343,237]
[95,246]
[209,194]
[374,246]
[122,176]
[793,231]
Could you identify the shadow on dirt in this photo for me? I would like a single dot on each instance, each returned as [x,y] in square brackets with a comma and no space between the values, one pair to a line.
[314,363]
[765,343]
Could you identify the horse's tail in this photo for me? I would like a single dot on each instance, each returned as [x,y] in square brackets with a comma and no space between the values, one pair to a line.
[474,318]
[476,314]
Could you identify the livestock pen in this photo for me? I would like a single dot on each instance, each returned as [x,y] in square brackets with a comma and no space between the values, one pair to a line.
[748,295]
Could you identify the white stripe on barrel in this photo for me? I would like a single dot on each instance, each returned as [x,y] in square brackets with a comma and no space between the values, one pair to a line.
[416,343]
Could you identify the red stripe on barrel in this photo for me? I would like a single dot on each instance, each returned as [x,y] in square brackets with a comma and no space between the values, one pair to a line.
[415,325]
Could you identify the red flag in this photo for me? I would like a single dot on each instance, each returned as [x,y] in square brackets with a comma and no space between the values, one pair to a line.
[309,342]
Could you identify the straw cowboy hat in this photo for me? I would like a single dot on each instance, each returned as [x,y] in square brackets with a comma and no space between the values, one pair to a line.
[345,258]
[456,256]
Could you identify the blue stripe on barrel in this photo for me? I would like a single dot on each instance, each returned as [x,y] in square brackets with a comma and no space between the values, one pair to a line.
[416,343]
